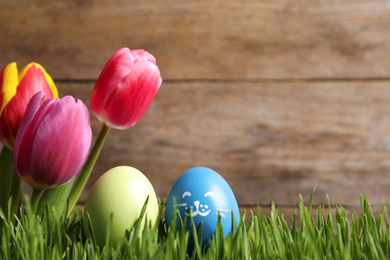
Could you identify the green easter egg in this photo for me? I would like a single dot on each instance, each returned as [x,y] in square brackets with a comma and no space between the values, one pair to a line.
[122,191]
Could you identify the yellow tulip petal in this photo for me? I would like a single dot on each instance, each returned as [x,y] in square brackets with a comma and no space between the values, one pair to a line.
[9,84]
[49,80]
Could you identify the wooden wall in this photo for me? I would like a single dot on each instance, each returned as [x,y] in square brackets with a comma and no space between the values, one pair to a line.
[276,96]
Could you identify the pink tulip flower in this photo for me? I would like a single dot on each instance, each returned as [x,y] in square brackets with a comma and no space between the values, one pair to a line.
[53,141]
[125,88]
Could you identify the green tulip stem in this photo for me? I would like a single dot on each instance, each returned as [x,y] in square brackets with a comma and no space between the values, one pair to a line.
[88,167]
[35,199]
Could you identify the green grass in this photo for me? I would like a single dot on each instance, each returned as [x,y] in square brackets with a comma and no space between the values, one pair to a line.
[324,236]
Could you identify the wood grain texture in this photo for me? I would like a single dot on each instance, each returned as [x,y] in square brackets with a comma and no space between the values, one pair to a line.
[202,39]
[270,140]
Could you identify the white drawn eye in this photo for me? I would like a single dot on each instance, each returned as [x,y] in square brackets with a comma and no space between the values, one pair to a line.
[209,193]
[187,193]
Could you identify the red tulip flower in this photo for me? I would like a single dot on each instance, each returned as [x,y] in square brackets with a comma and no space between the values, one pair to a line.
[16,90]
[125,88]
[53,141]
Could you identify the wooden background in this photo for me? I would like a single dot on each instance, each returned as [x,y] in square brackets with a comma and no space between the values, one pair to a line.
[277,96]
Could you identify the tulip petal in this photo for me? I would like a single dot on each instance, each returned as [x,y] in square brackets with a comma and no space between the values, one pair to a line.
[143,55]
[35,114]
[33,69]
[130,100]
[115,70]
[31,109]
[67,131]
[9,83]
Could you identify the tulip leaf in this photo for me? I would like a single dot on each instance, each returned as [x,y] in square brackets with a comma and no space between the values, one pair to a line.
[56,198]
[10,183]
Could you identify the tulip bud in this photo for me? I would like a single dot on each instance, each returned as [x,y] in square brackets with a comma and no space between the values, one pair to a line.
[125,88]
[15,93]
[53,141]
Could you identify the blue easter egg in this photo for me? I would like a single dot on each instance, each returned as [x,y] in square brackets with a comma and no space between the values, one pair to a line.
[203,194]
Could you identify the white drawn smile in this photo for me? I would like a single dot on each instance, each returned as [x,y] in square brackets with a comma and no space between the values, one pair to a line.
[203,212]
[200,209]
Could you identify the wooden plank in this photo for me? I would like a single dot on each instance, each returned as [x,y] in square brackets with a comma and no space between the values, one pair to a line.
[249,39]
[270,140]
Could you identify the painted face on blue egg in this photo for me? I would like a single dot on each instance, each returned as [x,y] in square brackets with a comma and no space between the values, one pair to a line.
[202,194]
[193,207]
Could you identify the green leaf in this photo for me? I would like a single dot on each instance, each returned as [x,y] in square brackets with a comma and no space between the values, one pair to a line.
[56,198]
[10,184]
[7,170]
